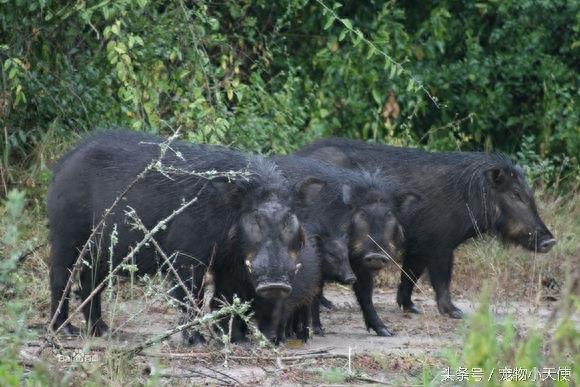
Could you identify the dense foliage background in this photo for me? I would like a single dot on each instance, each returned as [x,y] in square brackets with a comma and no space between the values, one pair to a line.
[268,76]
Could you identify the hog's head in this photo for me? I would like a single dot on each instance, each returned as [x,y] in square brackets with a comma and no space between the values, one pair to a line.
[376,235]
[514,210]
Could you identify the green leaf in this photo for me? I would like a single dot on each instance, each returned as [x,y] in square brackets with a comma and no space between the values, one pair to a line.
[393,71]
[377,96]
[329,23]
[371,52]
[347,23]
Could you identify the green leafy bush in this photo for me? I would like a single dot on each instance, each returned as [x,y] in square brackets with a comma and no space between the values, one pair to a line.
[269,76]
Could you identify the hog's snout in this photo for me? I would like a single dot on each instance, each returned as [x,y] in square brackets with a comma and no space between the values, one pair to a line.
[375,261]
[273,290]
[546,244]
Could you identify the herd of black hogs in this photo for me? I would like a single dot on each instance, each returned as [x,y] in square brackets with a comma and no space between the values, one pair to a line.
[275,232]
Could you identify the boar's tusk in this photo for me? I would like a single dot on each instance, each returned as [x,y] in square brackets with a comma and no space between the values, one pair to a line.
[298,266]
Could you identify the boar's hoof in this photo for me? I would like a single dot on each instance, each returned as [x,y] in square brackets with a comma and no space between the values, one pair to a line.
[411,309]
[304,335]
[456,313]
[99,328]
[318,330]
[446,307]
[384,331]
[278,340]
[326,303]
[452,312]
[70,330]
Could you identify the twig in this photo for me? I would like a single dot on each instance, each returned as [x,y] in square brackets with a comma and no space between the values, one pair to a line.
[346,24]
[28,253]
[399,266]
[193,374]
[295,357]
[221,373]
[187,355]
[128,257]
[365,378]
[170,355]
[78,263]
[447,125]
[99,348]
[234,309]
[133,214]
[4,182]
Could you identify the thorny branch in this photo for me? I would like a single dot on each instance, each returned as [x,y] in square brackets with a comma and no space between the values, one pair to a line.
[237,308]
[79,261]
[139,224]
[162,224]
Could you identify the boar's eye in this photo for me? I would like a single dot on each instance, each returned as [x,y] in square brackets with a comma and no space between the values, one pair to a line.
[361,216]
[291,224]
[518,196]
[360,221]
[251,227]
[400,234]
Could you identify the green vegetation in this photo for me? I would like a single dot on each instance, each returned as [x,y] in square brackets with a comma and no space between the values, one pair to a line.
[269,76]
[492,345]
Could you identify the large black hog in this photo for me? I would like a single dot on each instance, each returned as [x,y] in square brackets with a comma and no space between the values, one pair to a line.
[361,209]
[272,315]
[243,227]
[320,207]
[466,194]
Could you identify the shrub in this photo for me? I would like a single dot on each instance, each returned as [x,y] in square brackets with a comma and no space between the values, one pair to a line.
[268,77]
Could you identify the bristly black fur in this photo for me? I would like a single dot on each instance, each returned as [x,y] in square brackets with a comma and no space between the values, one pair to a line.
[206,236]
[465,194]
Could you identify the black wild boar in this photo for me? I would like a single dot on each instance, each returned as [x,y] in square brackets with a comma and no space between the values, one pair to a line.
[272,315]
[465,194]
[244,227]
[320,207]
[326,250]
[361,209]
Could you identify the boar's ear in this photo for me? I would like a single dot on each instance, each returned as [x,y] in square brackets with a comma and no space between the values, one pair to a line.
[495,176]
[310,190]
[300,240]
[407,201]
[347,194]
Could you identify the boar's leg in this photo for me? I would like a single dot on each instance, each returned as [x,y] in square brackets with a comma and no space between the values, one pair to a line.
[363,289]
[326,303]
[304,317]
[440,269]
[239,329]
[189,337]
[315,310]
[91,277]
[61,261]
[292,325]
[300,322]
[413,267]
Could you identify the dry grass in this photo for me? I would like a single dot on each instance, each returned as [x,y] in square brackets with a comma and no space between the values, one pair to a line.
[512,274]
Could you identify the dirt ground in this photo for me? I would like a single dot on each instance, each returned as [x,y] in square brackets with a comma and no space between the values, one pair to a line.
[420,341]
